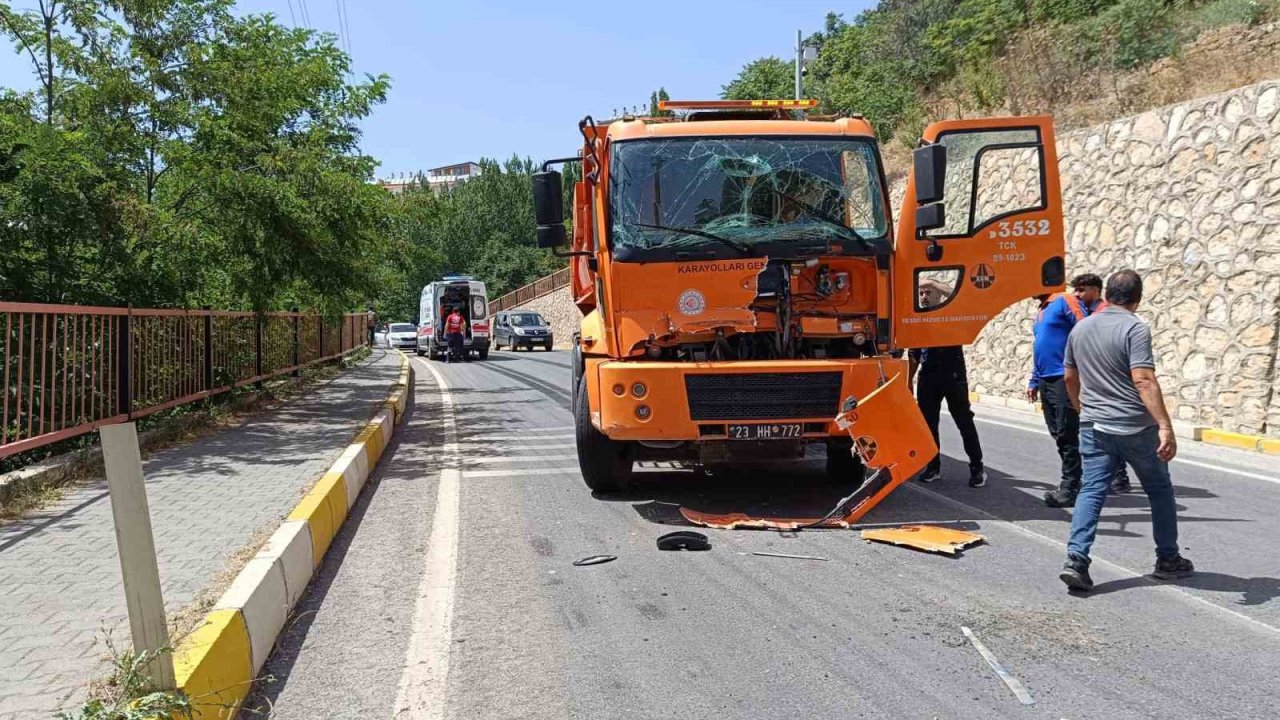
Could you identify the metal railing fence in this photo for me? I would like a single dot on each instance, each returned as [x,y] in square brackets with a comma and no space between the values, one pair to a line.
[67,369]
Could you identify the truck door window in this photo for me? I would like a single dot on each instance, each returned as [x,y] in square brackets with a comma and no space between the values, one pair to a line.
[991,174]
[936,287]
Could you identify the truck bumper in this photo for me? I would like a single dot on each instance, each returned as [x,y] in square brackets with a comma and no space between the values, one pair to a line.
[664,401]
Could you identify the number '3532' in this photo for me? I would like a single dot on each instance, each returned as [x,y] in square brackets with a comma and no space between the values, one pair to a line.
[1019,228]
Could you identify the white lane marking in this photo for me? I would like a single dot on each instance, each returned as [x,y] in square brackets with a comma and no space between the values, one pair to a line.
[518,458]
[549,446]
[424,682]
[517,472]
[502,438]
[1185,461]
[1100,561]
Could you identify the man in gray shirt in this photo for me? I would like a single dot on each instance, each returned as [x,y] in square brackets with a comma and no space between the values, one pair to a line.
[1111,381]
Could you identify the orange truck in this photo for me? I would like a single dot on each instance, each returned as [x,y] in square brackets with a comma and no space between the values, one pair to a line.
[745,295]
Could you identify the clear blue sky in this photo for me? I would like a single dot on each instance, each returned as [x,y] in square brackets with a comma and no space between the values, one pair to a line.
[474,78]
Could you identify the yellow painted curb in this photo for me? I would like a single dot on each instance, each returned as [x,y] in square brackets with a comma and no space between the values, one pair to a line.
[324,509]
[213,665]
[1269,446]
[1230,439]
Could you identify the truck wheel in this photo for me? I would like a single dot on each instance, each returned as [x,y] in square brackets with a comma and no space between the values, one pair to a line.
[483,353]
[842,465]
[606,464]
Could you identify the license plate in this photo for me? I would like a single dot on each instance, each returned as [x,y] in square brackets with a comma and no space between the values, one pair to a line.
[765,431]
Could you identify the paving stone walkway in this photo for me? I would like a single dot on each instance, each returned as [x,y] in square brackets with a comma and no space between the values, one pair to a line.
[59,572]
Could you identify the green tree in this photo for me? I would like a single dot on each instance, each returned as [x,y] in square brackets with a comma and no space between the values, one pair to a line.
[766,78]
[176,154]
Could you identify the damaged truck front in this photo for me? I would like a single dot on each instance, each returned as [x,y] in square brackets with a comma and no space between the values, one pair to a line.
[744,294]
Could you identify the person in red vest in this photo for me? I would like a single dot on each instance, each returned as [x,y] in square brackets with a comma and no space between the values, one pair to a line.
[1058,315]
[454,327]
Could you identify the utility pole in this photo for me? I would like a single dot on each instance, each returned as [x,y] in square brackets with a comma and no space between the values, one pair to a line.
[799,61]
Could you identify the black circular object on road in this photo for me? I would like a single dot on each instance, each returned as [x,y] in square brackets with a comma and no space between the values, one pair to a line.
[684,540]
[595,560]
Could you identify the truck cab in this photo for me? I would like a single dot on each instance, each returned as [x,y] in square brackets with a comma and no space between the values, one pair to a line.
[743,285]
[438,298]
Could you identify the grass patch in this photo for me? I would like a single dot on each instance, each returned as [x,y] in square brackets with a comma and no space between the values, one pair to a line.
[125,695]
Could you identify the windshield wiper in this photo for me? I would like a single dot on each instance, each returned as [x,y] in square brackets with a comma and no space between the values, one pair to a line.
[741,248]
[819,215]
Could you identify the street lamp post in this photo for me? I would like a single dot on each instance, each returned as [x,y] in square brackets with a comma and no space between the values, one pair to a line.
[805,54]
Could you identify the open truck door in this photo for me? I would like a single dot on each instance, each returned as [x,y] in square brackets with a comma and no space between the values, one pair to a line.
[981,228]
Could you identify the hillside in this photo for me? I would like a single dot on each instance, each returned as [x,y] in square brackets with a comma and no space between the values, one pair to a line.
[908,62]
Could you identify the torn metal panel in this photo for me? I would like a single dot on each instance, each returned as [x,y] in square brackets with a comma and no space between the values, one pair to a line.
[928,538]
[891,437]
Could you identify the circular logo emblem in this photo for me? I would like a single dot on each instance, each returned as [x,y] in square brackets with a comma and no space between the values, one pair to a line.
[983,277]
[692,303]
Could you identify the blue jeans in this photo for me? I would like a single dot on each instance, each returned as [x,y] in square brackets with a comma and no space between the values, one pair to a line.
[1102,454]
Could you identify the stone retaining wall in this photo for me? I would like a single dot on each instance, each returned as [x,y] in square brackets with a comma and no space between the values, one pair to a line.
[1189,196]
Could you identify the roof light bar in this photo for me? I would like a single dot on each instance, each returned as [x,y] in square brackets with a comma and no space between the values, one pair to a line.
[736,104]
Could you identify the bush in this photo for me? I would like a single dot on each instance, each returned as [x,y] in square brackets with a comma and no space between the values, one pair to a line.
[1135,32]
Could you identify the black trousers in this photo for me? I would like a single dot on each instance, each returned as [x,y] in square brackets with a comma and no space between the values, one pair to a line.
[455,346]
[931,390]
[1064,425]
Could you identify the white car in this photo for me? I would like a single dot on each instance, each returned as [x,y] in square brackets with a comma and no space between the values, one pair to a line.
[403,336]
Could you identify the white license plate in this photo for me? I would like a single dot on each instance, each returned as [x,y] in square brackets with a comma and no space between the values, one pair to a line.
[765,431]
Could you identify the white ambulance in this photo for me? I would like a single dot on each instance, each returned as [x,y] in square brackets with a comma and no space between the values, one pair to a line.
[438,298]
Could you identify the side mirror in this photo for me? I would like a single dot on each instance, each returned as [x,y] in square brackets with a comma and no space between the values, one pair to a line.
[930,173]
[548,208]
[930,217]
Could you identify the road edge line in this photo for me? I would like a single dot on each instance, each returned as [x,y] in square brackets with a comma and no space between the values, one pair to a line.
[218,662]
[1177,591]
[1260,444]
[422,689]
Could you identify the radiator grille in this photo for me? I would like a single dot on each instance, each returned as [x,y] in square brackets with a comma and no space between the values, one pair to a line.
[763,396]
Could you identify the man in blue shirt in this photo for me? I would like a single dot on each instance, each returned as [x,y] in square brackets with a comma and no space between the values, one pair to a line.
[1058,315]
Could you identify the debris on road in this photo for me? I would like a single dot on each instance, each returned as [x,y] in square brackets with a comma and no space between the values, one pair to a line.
[684,540]
[788,555]
[595,560]
[925,537]
[1012,682]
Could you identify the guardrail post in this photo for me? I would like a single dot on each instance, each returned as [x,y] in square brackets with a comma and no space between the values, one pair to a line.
[208,348]
[257,319]
[137,550]
[124,384]
[297,350]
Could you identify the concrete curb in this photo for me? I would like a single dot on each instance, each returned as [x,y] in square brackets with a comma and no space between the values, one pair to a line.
[217,664]
[1185,431]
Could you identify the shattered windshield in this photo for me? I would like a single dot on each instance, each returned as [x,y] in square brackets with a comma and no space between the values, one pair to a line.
[733,197]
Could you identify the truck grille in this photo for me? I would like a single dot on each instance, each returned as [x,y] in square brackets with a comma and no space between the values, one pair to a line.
[763,396]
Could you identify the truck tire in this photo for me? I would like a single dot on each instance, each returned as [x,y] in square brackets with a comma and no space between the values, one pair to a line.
[483,353]
[843,467]
[606,464]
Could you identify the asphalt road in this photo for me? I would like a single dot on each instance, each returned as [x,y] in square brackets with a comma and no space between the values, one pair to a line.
[450,592]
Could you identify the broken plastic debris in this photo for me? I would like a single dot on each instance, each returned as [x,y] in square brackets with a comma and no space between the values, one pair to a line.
[788,555]
[925,537]
[595,560]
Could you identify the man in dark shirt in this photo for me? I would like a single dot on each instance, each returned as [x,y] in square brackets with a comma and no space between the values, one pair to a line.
[943,376]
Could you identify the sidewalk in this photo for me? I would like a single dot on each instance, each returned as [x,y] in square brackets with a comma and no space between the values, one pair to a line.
[59,572]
